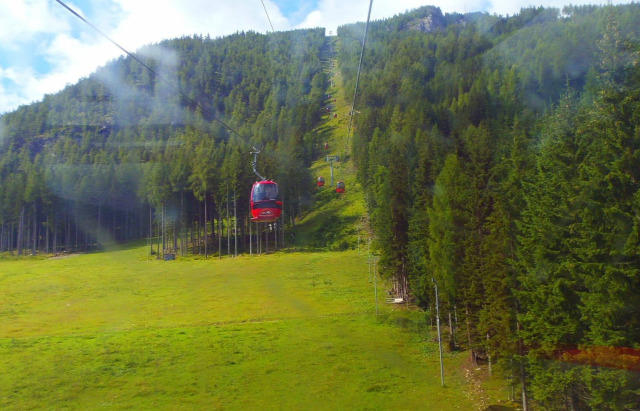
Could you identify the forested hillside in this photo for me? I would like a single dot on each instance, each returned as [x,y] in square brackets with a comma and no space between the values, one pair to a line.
[500,157]
[90,163]
[502,160]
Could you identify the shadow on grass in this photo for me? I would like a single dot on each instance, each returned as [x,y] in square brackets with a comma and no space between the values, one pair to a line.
[85,249]
[117,246]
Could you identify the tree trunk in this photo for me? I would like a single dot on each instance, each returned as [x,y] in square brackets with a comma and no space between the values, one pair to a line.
[198,224]
[489,356]
[206,234]
[27,235]
[473,351]
[523,379]
[76,223]
[163,231]
[35,229]
[150,231]
[235,224]
[67,230]
[452,338]
[182,234]
[228,227]
[219,234]
[20,230]
[455,316]
[191,236]
[46,240]
[175,235]
[158,235]
[282,218]
[55,235]
[11,237]
[99,224]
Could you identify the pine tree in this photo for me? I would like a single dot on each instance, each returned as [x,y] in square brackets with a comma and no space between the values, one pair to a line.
[549,285]
[448,219]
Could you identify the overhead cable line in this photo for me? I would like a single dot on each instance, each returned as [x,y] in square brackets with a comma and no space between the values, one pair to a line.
[267,13]
[355,91]
[256,152]
[175,88]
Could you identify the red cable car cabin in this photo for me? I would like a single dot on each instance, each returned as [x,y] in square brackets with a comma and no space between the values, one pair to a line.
[265,208]
[320,181]
[340,187]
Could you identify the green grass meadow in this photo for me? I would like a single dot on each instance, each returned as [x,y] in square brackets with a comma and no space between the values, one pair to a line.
[335,221]
[280,331]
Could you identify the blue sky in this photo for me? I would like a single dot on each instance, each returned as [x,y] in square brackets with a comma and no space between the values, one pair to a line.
[296,11]
[43,47]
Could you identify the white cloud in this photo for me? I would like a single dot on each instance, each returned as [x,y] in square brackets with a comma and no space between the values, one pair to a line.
[8,97]
[333,13]
[22,20]
[149,21]
[68,59]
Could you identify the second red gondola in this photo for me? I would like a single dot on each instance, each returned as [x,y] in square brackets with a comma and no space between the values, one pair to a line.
[340,187]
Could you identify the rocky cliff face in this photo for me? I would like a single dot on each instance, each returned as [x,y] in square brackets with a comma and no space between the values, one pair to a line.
[429,20]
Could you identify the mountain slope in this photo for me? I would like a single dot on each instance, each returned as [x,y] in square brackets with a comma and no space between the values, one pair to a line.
[123,140]
[335,220]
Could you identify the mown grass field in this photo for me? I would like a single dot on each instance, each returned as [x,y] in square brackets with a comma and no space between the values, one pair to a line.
[286,330]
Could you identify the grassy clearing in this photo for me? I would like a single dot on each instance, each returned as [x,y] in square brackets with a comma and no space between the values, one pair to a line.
[287,330]
[335,220]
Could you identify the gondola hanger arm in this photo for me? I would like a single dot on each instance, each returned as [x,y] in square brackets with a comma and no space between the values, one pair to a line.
[255,153]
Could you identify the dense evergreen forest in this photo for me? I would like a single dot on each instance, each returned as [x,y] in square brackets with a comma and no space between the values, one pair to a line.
[501,157]
[123,152]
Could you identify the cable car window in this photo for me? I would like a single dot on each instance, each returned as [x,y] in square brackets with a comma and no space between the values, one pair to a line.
[265,191]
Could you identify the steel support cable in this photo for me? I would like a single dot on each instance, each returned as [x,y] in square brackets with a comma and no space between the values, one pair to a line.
[255,152]
[175,88]
[355,91]
[267,13]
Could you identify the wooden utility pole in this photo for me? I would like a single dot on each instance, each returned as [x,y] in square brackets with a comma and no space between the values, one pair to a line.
[439,335]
